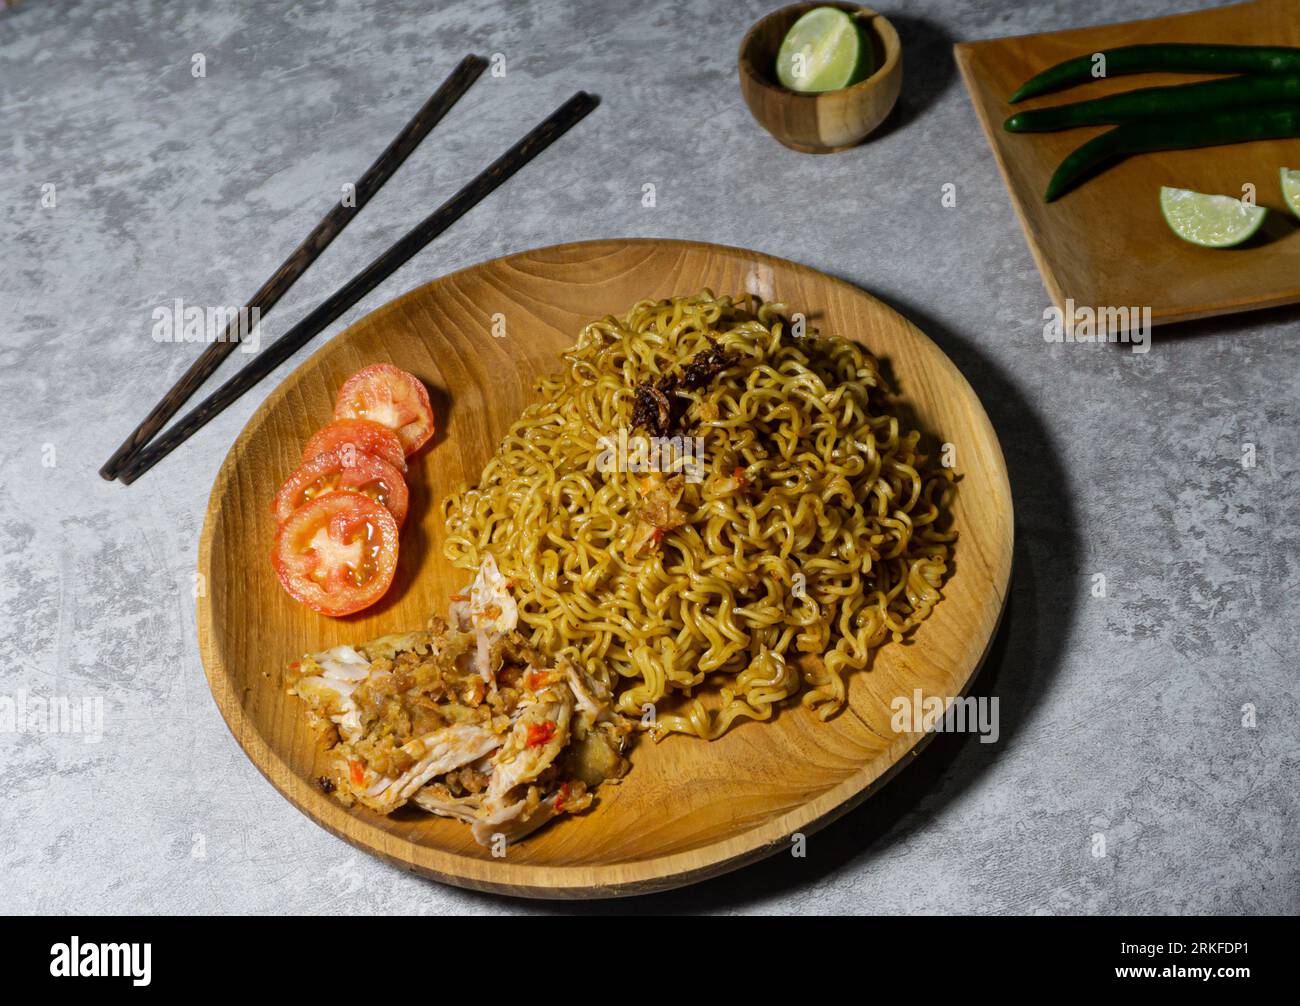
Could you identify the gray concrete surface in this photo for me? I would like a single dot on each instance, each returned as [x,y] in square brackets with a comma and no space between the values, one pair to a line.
[1122,716]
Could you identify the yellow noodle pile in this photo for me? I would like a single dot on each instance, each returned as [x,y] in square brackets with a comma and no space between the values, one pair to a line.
[825,544]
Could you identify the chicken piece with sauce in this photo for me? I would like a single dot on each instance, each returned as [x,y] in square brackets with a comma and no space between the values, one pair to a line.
[464,720]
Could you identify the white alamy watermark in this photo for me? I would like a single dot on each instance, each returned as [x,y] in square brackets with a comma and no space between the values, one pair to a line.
[918,714]
[75,959]
[641,455]
[24,713]
[181,322]
[1075,323]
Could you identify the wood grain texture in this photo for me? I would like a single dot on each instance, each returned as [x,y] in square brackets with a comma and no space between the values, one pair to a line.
[689,809]
[1105,244]
[832,120]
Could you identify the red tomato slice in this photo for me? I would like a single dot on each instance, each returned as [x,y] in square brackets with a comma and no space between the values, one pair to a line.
[337,553]
[358,436]
[391,397]
[328,472]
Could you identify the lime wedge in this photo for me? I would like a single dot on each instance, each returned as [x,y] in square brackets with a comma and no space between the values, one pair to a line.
[1291,189]
[1207,220]
[824,50]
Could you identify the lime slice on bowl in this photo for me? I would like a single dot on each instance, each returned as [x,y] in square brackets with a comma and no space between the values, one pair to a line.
[824,50]
[1208,220]
[1291,189]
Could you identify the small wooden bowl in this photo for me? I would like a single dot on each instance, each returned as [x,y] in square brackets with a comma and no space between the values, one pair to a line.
[832,120]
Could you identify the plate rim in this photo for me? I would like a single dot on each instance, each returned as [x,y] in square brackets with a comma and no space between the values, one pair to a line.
[634,877]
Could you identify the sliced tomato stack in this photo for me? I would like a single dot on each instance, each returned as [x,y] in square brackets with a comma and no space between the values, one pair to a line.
[339,512]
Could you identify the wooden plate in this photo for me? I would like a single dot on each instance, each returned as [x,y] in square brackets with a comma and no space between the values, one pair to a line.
[1105,244]
[688,809]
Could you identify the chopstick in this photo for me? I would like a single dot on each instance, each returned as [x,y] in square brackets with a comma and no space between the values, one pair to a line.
[542,136]
[330,226]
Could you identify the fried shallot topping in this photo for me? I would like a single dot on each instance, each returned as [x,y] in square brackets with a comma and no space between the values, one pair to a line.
[658,409]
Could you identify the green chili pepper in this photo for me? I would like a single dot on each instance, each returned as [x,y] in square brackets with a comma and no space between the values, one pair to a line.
[1144,135]
[1154,102]
[1168,57]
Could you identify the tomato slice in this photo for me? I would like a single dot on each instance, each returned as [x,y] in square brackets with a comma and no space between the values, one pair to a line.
[337,553]
[330,471]
[391,397]
[358,436]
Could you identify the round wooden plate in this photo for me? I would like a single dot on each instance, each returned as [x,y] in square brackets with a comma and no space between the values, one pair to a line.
[689,809]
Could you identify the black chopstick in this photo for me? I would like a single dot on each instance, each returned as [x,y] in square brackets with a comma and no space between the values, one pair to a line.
[429,115]
[541,137]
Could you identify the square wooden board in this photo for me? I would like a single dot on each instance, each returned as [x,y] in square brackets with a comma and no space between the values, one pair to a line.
[1106,244]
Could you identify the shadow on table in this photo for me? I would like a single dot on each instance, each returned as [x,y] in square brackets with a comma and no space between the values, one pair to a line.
[1024,658]
[1221,325]
[928,70]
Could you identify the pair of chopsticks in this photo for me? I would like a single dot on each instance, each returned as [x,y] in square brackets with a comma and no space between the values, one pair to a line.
[140,451]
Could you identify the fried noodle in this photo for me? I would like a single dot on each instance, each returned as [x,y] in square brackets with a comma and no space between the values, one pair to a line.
[815,535]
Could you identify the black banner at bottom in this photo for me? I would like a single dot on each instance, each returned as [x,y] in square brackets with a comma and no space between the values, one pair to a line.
[233,953]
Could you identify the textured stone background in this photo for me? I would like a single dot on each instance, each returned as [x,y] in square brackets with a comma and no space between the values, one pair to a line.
[1120,715]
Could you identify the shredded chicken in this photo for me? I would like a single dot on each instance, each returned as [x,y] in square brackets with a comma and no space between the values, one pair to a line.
[465,720]
[488,611]
[434,755]
[658,512]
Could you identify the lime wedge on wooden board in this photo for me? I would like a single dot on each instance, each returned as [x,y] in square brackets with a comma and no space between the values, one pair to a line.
[1291,189]
[1208,220]
[824,50]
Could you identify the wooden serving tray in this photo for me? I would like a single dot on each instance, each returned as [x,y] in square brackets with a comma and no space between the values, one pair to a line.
[1105,244]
